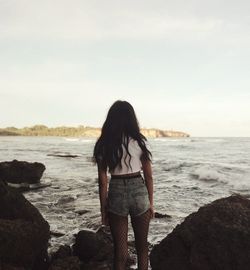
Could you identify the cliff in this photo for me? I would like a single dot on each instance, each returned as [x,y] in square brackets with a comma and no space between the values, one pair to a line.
[158,133]
[80,131]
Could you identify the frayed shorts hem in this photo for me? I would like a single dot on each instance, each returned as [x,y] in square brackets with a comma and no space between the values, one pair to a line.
[125,215]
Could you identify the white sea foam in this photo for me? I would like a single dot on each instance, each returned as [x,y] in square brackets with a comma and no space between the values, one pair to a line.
[208,173]
[18,185]
[87,140]
[159,139]
[175,165]
[172,166]
[82,140]
[72,139]
[242,183]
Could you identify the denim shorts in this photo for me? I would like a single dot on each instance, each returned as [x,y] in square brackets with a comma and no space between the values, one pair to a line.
[128,196]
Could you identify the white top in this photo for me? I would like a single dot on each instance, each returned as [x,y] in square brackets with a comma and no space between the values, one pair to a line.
[135,161]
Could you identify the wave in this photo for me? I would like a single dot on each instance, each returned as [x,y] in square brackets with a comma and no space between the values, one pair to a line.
[87,140]
[29,186]
[208,173]
[242,183]
[208,140]
[171,166]
[82,140]
[72,139]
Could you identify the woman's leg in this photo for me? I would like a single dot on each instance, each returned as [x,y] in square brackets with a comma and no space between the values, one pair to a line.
[140,226]
[119,230]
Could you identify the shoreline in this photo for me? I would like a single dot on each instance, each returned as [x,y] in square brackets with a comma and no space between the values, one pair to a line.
[82,131]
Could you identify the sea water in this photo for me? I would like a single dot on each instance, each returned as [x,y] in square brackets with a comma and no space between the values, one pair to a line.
[187,172]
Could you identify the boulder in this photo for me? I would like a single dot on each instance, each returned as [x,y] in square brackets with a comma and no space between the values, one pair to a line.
[217,237]
[18,172]
[93,246]
[95,250]
[68,263]
[24,233]
[62,252]
[4,266]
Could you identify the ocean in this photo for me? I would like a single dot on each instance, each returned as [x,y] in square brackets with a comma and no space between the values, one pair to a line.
[187,172]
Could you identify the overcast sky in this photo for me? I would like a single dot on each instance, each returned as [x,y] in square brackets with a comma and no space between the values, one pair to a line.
[183,65]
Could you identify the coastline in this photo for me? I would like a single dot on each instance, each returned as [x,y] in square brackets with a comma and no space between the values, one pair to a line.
[82,131]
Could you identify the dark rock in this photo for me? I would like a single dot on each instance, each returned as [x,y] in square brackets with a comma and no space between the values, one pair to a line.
[217,237]
[24,233]
[56,234]
[97,266]
[95,250]
[68,263]
[63,155]
[159,215]
[82,212]
[21,172]
[93,246]
[5,266]
[62,252]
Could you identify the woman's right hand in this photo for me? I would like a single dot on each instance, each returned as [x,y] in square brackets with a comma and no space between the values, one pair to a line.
[105,220]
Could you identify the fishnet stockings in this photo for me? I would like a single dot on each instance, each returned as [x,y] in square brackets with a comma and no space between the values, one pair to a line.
[140,226]
[119,231]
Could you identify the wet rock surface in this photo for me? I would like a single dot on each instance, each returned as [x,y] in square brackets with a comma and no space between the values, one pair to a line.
[17,172]
[160,215]
[217,237]
[93,246]
[24,233]
[67,263]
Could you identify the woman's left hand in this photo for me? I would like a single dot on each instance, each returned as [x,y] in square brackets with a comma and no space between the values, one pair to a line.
[152,211]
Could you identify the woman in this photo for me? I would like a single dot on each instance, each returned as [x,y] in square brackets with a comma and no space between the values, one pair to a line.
[121,150]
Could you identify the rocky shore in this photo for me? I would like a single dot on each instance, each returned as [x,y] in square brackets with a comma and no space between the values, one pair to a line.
[21,174]
[81,131]
[216,237]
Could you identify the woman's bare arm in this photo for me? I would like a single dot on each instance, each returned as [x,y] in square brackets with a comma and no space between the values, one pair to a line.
[103,191]
[147,172]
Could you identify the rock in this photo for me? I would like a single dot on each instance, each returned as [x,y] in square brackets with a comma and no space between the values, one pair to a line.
[217,237]
[95,250]
[17,172]
[82,212]
[93,246]
[97,266]
[24,233]
[56,234]
[62,252]
[5,266]
[63,155]
[68,263]
[159,215]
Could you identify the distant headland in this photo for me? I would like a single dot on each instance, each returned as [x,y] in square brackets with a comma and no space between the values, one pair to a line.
[81,131]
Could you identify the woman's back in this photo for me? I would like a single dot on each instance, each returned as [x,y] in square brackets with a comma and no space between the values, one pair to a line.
[131,159]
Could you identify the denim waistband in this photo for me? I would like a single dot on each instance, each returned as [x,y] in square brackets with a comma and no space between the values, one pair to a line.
[126,176]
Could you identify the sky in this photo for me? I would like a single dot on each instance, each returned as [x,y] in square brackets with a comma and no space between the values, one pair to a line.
[183,65]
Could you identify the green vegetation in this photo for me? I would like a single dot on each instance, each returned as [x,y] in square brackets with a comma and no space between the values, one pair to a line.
[42,130]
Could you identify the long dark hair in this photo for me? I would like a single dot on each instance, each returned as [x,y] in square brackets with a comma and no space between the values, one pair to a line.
[121,124]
